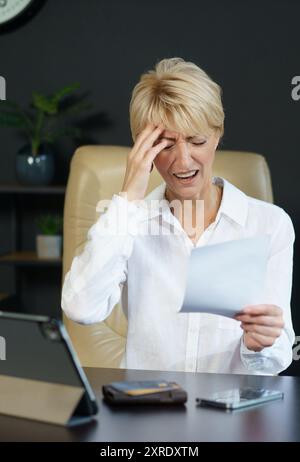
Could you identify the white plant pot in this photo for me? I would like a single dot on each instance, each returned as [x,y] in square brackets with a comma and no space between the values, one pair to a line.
[48,246]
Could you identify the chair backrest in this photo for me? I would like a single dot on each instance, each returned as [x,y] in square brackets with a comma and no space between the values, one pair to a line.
[97,173]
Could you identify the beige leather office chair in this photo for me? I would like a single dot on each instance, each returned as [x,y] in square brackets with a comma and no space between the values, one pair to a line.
[97,173]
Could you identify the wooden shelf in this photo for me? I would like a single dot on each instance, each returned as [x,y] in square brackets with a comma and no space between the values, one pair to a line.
[28,258]
[20,189]
[20,205]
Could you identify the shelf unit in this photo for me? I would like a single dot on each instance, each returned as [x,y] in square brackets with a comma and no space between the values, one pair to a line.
[26,257]
[15,256]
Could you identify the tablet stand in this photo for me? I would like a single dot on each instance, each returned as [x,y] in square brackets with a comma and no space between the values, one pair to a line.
[33,399]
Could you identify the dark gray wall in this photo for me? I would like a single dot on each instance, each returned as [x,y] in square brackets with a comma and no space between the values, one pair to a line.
[251,48]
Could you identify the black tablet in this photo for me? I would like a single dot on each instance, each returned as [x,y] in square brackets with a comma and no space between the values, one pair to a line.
[38,349]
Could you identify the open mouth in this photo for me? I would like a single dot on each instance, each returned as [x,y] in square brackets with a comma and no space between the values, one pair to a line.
[186,177]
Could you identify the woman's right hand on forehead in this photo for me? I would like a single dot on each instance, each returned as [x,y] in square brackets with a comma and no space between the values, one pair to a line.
[139,162]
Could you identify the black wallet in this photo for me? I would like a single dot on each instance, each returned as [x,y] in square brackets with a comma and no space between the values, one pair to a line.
[144,392]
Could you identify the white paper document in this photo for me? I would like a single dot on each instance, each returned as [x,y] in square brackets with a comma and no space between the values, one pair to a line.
[225,277]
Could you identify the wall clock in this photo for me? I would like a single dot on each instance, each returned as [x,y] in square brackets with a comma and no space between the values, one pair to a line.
[14,13]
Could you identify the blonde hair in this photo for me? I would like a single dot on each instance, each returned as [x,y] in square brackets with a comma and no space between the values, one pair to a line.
[179,95]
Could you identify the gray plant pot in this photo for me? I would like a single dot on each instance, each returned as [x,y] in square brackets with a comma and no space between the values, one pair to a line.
[34,170]
[48,246]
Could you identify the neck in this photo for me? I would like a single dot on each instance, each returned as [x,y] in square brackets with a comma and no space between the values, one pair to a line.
[206,202]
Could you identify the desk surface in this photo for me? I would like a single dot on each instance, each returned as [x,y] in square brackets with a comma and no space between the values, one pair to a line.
[275,421]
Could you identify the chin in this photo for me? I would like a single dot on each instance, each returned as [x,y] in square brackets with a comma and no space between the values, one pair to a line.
[185,192]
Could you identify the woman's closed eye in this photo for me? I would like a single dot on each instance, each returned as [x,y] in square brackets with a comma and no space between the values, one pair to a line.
[194,143]
[169,146]
[198,143]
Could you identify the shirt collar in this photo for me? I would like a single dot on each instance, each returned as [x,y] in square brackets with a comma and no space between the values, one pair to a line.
[234,202]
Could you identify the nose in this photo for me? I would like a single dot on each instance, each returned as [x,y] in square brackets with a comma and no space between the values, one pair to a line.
[182,157]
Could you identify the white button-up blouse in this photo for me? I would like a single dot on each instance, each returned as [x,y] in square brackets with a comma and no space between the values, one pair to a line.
[146,272]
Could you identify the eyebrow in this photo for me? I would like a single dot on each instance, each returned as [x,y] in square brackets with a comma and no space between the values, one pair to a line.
[173,139]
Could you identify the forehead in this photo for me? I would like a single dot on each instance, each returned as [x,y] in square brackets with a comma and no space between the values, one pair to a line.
[176,134]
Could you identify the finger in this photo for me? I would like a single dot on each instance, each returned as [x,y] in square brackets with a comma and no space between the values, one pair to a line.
[269,310]
[153,152]
[143,135]
[252,344]
[274,321]
[262,340]
[148,140]
[263,330]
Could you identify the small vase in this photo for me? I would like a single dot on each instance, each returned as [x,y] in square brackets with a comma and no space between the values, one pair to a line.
[34,170]
[48,246]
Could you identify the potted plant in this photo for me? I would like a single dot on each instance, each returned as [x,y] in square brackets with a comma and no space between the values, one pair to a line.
[43,123]
[49,241]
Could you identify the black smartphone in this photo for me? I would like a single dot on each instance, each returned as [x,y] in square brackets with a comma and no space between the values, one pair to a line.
[237,398]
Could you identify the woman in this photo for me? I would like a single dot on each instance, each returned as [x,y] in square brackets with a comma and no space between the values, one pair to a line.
[177,120]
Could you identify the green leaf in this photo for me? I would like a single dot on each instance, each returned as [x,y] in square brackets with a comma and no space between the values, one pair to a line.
[50,224]
[44,104]
[14,108]
[60,94]
[47,118]
[12,119]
